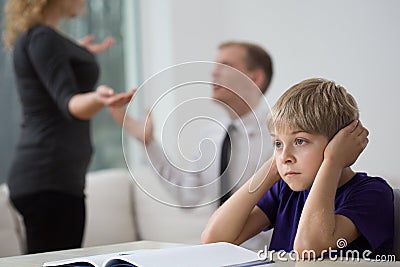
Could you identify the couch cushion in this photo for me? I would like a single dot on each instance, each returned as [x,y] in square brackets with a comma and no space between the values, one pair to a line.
[160,222]
[9,239]
[109,208]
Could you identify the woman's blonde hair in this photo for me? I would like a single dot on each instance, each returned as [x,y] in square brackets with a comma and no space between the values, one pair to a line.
[20,16]
[316,106]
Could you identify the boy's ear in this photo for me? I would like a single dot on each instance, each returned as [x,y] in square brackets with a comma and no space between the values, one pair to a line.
[257,76]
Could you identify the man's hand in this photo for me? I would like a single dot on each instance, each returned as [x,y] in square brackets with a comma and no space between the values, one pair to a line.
[347,144]
[142,131]
[96,48]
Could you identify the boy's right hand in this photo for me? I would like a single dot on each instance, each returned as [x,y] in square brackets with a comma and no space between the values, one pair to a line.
[269,171]
[347,144]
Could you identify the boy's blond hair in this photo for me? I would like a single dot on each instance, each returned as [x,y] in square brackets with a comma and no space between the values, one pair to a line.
[316,106]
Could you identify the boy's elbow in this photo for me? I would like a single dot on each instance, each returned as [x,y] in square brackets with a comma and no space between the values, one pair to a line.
[208,237]
[300,250]
[306,249]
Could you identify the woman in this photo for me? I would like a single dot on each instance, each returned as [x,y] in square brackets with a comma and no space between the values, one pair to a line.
[55,78]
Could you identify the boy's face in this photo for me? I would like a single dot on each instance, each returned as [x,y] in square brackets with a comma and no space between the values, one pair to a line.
[298,157]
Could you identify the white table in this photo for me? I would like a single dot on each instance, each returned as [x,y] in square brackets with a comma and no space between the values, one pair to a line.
[36,260]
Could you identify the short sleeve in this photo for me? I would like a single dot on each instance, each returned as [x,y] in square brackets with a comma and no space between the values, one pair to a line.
[269,203]
[50,60]
[370,207]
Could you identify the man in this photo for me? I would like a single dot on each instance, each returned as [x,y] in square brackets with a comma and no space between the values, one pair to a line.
[240,78]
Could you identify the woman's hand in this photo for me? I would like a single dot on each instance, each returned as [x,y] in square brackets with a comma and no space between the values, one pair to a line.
[96,48]
[107,96]
[86,105]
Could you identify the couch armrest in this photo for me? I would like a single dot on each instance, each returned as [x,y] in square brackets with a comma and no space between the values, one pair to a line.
[11,233]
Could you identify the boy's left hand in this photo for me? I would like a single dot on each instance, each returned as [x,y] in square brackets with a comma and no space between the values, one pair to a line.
[347,144]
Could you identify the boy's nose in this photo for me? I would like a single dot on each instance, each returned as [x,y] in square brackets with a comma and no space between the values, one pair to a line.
[288,161]
[287,156]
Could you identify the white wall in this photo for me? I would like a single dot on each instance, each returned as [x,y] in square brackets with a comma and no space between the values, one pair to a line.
[355,43]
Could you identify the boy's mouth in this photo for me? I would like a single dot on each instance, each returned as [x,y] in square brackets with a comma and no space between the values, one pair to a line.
[291,174]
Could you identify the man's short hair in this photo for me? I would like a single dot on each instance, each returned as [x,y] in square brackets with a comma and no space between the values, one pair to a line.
[316,106]
[257,58]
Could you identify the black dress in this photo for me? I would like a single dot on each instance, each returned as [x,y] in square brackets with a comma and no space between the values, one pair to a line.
[54,149]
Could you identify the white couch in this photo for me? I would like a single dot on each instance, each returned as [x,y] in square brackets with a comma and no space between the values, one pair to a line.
[9,227]
[117,211]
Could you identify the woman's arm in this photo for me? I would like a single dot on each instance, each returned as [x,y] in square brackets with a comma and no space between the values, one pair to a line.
[239,219]
[84,106]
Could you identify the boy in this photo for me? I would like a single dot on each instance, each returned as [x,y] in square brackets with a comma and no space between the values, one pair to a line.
[307,191]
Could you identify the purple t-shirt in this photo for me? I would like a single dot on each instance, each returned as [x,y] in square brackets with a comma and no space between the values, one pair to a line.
[366,201]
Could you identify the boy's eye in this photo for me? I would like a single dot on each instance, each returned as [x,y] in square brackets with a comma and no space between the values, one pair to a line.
[300,142]
[277,144]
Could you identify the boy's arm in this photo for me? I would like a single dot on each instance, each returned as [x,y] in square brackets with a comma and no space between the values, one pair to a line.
[319,228]
[239,219]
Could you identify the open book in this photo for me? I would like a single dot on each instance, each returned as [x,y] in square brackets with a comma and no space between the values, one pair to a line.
[216,254]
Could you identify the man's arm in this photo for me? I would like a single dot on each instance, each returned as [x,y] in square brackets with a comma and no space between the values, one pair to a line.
[319,228]
[141,131]
[239,219]
[187,190]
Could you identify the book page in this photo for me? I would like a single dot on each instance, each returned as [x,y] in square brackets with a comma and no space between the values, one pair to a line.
[95,261]
[216,254]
